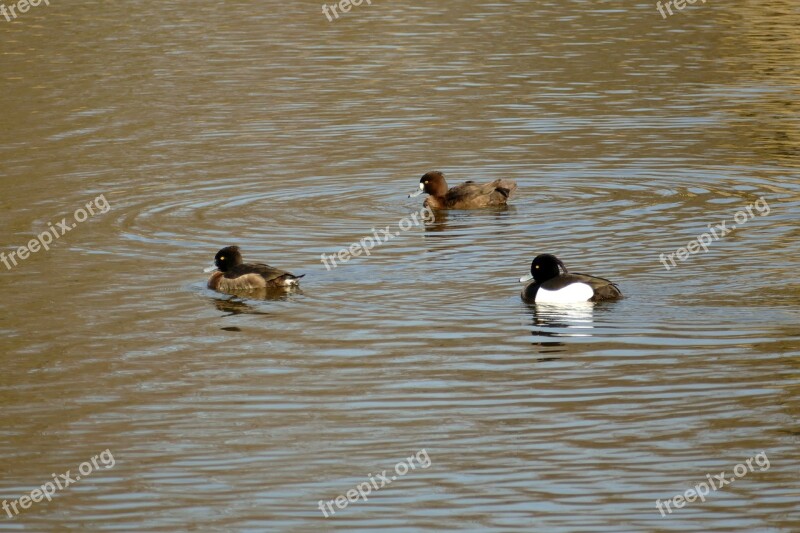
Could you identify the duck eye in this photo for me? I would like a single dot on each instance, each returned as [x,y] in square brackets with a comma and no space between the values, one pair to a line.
[222,258]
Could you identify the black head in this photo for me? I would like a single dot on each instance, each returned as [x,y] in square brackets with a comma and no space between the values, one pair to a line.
[545,267]
[433,183]
[228,258]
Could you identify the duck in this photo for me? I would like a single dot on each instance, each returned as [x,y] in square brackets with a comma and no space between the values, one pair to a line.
[232,274]
[551,286]
[468,195]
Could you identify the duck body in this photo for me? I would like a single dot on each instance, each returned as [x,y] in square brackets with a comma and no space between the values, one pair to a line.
[233,275]
[552,286]
[571,288]
[468,195]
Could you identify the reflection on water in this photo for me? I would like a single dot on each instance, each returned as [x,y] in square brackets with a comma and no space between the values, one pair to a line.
[234,306]
[552,321]
[238,299]
[210,123]
[560,319]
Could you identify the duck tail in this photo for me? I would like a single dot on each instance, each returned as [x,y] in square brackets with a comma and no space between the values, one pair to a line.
[290,280]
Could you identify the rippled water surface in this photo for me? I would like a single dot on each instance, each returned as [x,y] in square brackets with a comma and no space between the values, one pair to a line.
[204,124]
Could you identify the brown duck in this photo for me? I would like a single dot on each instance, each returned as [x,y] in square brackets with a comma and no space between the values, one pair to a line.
[233,275]
[468,195]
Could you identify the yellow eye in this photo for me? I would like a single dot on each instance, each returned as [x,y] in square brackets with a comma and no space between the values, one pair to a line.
[537,267]
[222,258]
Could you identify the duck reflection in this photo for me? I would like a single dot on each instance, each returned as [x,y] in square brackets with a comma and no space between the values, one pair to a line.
[444,220]
[553,321]
[237,303]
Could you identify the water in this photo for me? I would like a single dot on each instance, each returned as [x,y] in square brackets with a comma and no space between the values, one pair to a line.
[209,124]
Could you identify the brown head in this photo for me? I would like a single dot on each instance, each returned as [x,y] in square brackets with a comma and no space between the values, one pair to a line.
[432,183]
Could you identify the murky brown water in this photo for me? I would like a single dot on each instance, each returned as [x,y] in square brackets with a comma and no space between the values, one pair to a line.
[262,124]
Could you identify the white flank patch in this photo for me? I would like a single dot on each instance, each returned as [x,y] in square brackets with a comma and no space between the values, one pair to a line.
[575,292]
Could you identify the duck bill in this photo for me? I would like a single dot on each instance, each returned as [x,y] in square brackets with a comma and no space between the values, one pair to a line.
[417,192]
[212,268]
[525,278]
